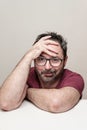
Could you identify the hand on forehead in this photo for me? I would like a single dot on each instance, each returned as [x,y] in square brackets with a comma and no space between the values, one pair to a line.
[56,49]
[50,47]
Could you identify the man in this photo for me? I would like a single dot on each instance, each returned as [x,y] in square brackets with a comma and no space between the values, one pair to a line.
[47,85]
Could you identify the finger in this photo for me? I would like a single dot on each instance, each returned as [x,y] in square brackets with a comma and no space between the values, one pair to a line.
[51,53]
[52,49]
[51,42]
[45,38]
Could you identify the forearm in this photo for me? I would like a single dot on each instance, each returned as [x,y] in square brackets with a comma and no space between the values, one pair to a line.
[54,100]
[39,97]
[14,86]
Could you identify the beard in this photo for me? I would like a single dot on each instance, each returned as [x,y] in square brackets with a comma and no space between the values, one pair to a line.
[49,75]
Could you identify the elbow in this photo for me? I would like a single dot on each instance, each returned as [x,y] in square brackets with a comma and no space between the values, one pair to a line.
[7,106]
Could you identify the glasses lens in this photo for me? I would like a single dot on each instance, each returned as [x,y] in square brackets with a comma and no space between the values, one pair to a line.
[55,61]
[41,61]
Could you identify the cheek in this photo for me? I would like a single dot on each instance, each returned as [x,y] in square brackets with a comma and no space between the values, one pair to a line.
[59,68]
[39,68]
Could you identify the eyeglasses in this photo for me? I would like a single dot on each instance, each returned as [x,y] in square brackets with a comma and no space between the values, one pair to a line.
[41,61]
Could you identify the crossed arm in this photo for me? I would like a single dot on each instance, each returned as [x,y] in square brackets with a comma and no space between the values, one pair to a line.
[51,100]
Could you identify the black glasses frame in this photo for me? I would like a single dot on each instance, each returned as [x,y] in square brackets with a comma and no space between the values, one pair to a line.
[49,59]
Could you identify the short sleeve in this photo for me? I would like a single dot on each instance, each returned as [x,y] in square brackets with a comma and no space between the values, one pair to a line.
[74,80]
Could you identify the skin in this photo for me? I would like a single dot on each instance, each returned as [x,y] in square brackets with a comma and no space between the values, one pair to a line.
[14,88]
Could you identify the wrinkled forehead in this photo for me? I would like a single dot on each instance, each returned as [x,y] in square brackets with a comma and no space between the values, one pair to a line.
[56,48]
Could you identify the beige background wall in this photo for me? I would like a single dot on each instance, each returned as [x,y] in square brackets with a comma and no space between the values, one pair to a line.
[22,20]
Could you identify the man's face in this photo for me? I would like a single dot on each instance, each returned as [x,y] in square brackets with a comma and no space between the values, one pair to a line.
[50,72]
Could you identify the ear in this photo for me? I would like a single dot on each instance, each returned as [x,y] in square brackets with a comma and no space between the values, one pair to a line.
[65,60]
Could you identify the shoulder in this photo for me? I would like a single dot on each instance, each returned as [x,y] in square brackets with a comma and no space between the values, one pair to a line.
[72,79]
[71,74]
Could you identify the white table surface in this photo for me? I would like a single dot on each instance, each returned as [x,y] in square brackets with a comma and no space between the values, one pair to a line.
[29,117]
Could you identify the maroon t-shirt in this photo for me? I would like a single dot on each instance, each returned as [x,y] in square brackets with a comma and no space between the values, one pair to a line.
[68,78]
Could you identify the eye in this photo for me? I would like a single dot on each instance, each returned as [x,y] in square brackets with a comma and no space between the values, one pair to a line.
[55,60]
[40,59]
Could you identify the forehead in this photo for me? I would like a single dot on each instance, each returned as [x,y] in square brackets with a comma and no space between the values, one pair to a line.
[55,48]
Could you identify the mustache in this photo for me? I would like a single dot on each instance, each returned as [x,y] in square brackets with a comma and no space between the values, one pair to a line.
[48,72]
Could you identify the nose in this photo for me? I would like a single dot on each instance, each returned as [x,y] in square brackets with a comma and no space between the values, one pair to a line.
[48,65]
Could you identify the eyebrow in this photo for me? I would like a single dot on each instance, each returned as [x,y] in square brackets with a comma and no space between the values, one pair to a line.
[50,57]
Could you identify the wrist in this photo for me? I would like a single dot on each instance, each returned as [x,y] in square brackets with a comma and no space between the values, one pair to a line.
[28,58]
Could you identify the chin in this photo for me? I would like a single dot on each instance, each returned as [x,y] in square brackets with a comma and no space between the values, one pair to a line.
[47,79]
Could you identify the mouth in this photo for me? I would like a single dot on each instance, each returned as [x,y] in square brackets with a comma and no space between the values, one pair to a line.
[48,74]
